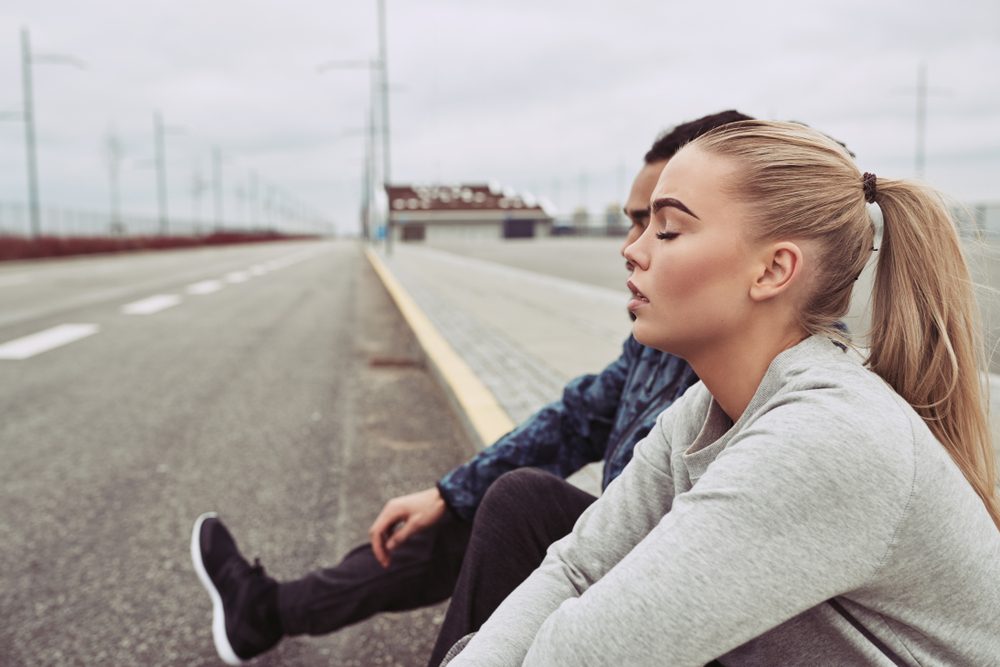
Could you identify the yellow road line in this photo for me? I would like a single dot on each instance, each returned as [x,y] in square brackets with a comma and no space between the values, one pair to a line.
[478,405]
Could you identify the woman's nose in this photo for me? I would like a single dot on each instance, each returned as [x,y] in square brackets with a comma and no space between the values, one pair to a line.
[634,253]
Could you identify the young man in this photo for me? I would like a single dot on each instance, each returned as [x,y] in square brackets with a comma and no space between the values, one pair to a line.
[417,542]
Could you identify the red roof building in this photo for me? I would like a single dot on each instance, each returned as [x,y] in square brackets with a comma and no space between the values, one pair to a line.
[429,212]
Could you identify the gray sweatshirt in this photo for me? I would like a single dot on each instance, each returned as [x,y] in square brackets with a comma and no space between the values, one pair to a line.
[826,526]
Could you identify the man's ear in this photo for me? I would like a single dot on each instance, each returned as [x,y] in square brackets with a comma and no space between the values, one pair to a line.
[781,264]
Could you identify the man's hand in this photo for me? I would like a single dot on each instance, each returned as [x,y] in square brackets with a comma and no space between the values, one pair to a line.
[402,517]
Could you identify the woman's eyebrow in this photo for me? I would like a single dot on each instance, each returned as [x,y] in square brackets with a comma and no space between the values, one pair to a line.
[664,202]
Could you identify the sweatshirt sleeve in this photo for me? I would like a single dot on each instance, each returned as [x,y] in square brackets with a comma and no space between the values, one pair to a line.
[775,526]
[582,558]
[560,438]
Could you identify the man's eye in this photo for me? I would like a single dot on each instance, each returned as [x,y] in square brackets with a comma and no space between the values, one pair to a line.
[667,236]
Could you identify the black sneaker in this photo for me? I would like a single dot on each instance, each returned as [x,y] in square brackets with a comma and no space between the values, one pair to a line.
[244,599]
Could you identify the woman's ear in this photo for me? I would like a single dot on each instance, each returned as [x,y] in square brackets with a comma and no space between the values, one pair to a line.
[781,264]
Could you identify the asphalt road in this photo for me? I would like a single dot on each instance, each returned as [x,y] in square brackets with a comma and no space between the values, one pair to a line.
[232,379]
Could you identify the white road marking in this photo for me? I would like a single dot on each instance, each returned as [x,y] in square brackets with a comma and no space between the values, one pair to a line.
[237,277]
[16,279]
[289,260]
[153,304]
[204,287]
[258,270]
[29,346]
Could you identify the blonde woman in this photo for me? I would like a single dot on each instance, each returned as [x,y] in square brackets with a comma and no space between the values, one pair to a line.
[800,505]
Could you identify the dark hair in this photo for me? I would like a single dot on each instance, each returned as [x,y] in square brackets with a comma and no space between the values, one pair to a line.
[671,141]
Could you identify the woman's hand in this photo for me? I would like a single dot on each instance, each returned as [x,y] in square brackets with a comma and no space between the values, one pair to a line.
[402,517]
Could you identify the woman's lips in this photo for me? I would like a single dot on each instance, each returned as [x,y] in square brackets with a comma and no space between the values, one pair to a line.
[638,298]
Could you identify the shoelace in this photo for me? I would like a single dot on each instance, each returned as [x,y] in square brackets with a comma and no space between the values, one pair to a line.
[237,569]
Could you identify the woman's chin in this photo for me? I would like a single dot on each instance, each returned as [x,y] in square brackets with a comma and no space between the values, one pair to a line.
[654,338]
[643,333]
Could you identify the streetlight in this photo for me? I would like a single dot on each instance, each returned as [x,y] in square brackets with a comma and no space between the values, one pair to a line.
[198,186]
[922,91]
[27,60]
[114,153]
[383,59]
[217,185]
[159,130]
[254,203]
[373,66]
[241,199]
[381,65]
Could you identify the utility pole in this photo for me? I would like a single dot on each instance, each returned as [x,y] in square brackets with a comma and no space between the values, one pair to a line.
[217,186]
[266,207]
[28,60]
[922,91]
[374,68]
[370,221]
[386,136]
[273,216]
[254,201]
[198,186]
[241,200]
[365,197]
[29,134]
[160,130]
[114,152]
[161,173]
[919,155]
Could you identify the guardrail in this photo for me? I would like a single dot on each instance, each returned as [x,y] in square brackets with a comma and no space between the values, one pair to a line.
[58,222]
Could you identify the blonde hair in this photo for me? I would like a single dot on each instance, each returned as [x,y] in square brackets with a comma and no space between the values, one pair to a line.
[925,337]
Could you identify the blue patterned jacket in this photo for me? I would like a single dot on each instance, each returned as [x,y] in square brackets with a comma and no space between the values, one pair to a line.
[599,417]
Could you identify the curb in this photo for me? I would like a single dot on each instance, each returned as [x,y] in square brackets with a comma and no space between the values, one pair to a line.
[476,405]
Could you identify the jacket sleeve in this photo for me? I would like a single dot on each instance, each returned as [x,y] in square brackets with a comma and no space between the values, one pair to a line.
[560,438]
[761,538]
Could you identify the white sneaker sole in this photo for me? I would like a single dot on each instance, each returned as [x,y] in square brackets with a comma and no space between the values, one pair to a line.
[222,646]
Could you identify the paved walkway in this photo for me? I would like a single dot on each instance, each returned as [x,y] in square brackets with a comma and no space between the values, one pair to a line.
[525,334]
[522,334]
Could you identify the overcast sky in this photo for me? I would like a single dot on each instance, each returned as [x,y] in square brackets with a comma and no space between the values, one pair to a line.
[557,98]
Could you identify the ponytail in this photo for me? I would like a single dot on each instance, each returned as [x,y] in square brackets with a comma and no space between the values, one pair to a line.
[925,338]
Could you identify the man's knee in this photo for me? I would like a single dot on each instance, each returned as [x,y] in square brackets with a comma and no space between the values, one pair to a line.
[519,491]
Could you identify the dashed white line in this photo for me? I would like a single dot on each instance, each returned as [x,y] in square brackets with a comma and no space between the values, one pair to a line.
[204,287]
[12,280]
[43,341]
[153,304]
[29,346]
[237,277]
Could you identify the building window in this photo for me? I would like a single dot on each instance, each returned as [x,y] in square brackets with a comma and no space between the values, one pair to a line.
[414,232]
[518,229]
